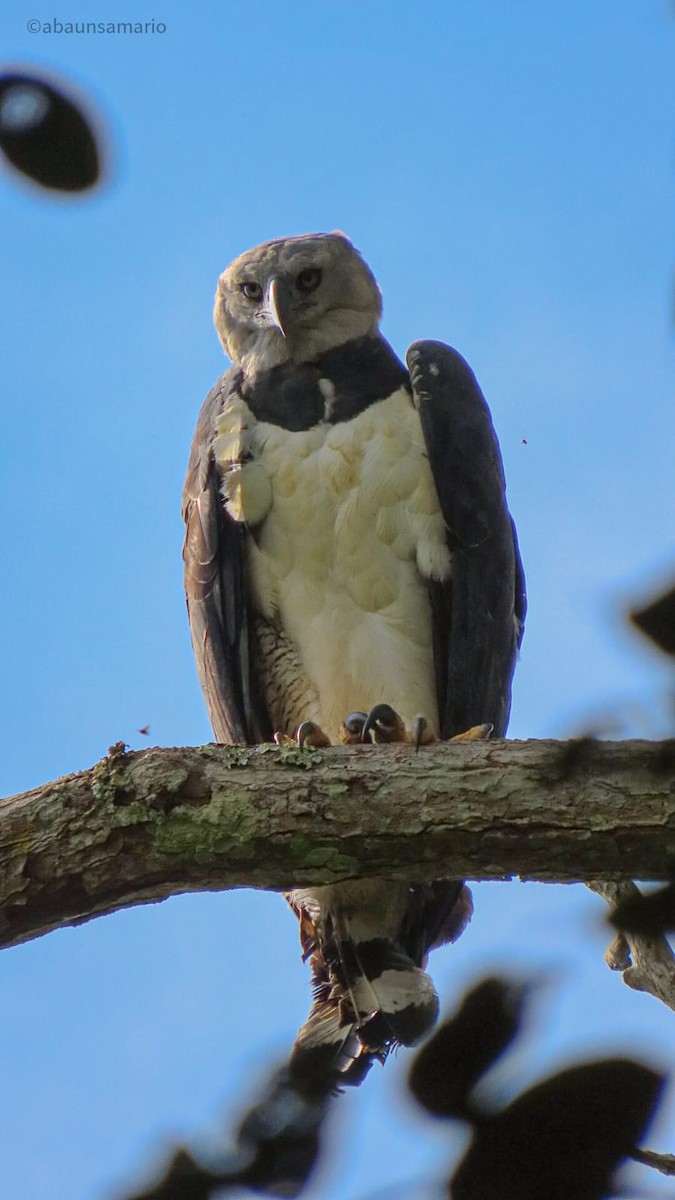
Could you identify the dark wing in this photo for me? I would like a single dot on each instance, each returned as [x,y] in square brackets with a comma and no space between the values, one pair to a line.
[438,913]
[216,588]
[478,614]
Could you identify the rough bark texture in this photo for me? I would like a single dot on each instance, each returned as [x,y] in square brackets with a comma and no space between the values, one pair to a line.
[647,964]
[142,826]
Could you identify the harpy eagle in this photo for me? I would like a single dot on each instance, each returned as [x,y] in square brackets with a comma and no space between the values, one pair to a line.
[351,568]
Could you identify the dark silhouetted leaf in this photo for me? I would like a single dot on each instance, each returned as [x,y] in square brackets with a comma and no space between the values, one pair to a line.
[277,1146]
[184,1180]
[451,1062]
[47,135]
[574,755]
[657,621]
[649,915]
[282,1136]
[563,1139]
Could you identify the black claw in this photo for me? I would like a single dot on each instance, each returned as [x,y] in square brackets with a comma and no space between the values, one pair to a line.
[383,722]
[419,728]
[303,732]
[312,735]
[354,723]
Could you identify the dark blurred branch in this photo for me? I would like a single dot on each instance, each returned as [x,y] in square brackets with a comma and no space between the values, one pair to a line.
[142,826]
[647,963]
[665,1163]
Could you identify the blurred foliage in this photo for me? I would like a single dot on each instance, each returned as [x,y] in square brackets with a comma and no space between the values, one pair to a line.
[649,915]
[275,1149]
[488,1021]
[46,135]
[657,621]
[563,1138]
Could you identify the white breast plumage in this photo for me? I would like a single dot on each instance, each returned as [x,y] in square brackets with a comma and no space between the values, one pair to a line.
[347,528]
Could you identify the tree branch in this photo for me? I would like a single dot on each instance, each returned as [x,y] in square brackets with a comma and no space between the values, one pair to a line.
[647,964]
[143,826]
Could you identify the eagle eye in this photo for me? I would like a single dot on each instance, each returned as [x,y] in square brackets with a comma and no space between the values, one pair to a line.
[251,290]
[309,279]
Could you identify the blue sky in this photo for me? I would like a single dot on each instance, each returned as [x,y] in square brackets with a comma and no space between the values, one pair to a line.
[507,172]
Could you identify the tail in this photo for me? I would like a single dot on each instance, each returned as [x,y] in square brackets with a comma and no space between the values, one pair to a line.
[371,993]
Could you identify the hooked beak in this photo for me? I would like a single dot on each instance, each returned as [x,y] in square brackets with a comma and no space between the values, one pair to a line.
[277,307]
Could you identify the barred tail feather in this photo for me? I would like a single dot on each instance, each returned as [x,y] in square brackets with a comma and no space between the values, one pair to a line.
[392,1000]
[328,1055]
[367,943]
[369,998]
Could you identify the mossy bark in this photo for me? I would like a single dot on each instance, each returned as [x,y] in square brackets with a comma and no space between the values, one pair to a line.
[142,826]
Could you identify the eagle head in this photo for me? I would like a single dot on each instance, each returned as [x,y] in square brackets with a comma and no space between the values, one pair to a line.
[293,299]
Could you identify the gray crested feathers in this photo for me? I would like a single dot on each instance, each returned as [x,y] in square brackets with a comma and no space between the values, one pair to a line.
[345,305]
[348,542]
